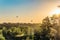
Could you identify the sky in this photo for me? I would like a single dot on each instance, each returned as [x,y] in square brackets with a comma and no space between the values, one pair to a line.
[26,10]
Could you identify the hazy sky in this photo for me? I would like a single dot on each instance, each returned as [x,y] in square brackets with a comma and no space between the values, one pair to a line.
[27,10]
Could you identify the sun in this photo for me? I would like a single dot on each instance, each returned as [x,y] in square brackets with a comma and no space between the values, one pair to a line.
[55,11]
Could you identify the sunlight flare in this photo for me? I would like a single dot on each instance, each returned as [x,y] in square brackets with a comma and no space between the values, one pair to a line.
[55,11]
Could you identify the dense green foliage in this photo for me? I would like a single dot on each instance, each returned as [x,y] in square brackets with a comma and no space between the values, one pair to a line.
[17,31]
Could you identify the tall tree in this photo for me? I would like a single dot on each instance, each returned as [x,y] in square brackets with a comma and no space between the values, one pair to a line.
[47,29]
[56,24]
[45,26]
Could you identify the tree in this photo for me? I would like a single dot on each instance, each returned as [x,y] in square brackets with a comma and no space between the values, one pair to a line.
[56,25]
[46,25]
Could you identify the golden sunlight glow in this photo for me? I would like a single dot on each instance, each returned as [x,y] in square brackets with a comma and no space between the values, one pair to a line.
[55,11]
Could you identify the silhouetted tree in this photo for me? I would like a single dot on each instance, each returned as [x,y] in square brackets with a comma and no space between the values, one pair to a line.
[46,26]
